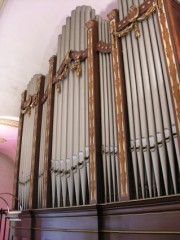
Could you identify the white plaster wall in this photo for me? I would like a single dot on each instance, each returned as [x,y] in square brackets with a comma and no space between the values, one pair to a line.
[28,38]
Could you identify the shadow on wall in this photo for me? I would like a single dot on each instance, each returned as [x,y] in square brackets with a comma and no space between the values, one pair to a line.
[6,179]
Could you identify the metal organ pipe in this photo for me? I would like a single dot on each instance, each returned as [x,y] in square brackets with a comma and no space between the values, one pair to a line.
[136,109]
[156,103]
[27,139]
[130,107]
[80,152]
[146,84]
[172,129]
[70,150]
[102,112]
[109,141]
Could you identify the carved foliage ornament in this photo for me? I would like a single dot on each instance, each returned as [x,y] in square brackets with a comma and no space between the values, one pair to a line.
[30,103]
[72,61]
[134,17]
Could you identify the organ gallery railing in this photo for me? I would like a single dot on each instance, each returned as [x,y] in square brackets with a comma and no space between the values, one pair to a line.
[109,127]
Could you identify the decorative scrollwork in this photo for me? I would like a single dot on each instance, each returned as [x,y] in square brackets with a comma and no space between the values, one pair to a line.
[58,87]
[76,66]
[133,13]
[30,103]
[124,32]
[148,13]
[72,61]
[133,19]
[103,47]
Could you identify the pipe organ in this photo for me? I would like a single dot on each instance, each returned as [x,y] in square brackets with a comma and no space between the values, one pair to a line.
[103,126]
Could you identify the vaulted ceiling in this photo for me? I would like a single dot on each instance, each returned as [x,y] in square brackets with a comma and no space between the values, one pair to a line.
[29,32]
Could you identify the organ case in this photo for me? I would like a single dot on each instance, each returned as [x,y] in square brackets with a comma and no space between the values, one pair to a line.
[110,123]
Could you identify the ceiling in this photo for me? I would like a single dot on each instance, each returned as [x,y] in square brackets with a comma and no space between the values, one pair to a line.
[29,32]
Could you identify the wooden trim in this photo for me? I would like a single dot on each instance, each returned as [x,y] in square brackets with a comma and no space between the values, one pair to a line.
[95,157]
[171,63]
[48,135]
[120,108]
[33,191]
[173,17]
[120,25]
[18,151]
[103,47]
[70,57]
[45,96]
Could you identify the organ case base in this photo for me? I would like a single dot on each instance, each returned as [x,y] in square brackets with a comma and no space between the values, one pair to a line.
[151,219]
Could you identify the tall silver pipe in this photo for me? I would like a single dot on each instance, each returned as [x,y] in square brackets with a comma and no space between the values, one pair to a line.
[99,19]
[42,148]
[58,127]
[156,103]
[173,129]
[149,142]
[82,117]
[70,79]
[76,101]
[136,110]
[130,107]
[168,138]
[107,130]
[64,93]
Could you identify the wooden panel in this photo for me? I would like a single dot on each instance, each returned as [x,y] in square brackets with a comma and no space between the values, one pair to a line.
[22,230]
[62,223]
[156,218]
[146,219]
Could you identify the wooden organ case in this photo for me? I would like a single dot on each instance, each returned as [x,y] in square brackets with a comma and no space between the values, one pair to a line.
[98,153]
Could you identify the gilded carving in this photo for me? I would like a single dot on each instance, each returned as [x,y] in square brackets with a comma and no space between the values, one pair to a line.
[148,13]
[124,32]
[103,47]
[133,13]
[119,114]
[72,61]
[90,24]
[58,87]
[133,18]
[30,103]
[112,14]
[76,66]
[91,118]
